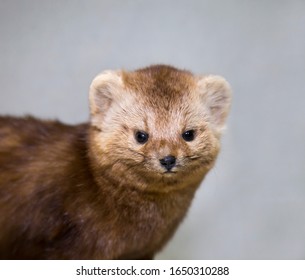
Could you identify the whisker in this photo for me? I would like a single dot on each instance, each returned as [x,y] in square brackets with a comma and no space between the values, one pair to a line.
[193,157]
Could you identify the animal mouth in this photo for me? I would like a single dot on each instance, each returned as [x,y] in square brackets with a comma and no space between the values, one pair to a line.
[169,172]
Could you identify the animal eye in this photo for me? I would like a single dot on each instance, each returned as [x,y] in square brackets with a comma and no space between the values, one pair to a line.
[188,135]
[141,137]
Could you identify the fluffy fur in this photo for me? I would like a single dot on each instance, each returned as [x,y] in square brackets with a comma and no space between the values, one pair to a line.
[91,191]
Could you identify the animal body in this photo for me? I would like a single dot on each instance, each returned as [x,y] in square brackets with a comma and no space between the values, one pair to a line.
[118,186]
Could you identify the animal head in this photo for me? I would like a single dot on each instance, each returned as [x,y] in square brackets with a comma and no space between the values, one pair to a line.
[158,122]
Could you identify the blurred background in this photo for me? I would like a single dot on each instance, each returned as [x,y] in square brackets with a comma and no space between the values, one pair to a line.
[252,205]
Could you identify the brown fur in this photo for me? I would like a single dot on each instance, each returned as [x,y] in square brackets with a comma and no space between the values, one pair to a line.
[91,191]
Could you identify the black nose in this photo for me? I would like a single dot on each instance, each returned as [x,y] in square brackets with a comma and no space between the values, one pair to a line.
[168,162]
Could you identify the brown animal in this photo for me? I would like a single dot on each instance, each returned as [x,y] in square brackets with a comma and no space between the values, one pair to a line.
[118,186]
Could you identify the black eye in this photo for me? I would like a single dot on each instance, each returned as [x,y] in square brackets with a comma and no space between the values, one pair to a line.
[141,137]
[188,135]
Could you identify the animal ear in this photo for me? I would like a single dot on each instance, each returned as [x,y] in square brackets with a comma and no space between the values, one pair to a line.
[104,89]
[215,94]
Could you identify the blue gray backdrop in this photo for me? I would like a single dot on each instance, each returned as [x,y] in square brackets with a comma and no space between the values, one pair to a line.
[252,205]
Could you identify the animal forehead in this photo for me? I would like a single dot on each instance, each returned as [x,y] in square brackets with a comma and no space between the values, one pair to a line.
[161,86]
[165,122]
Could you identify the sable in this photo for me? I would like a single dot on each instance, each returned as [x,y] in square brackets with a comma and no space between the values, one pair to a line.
[118,186]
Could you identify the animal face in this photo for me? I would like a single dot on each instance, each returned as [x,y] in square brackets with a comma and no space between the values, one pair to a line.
[160,122]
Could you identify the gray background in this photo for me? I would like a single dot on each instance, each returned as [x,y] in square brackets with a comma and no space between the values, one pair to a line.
[252,205]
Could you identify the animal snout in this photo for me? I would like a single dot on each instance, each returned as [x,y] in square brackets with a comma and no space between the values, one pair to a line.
[168,162]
